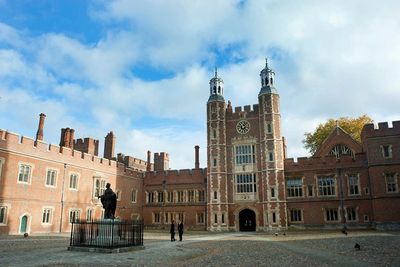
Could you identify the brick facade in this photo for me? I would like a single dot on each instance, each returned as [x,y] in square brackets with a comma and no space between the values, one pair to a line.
[248,183]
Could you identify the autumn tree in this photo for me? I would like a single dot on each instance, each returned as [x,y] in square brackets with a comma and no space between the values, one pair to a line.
[352,126]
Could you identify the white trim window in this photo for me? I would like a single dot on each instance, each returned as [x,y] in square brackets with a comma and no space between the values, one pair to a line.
[200,218]
[391,183]
[170,196]
[3,215]
[327,186]
[190,196]
[99,187]
[24,174]
[296,215]
[89,214]
[51,178]
[202,195]
[47,215]
[1,165]
[180,196]
[156,217]
[294,187]
[160,196]
[134,196]
[331,215]
[354,184]
[246,183]
[74,215]
[386,151]
[73,181]
[245,154]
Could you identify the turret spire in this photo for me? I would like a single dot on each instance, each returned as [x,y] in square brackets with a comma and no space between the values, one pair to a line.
[267,80]
[216,88]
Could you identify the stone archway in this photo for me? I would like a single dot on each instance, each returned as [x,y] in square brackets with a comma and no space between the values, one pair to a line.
[247,220]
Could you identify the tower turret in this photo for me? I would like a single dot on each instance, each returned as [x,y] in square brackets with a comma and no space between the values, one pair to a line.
[267,76]
[216,88]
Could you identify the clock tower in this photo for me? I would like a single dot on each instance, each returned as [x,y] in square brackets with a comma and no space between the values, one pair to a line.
[245,179]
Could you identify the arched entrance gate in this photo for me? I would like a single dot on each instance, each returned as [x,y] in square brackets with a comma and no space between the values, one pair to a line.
[247,220]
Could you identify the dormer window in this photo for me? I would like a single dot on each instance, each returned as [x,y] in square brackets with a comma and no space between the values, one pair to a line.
[339,150]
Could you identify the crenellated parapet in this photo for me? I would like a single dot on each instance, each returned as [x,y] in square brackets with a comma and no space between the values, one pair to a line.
[237,112]
[382,129]
[12,142]
[132,162]
[327,162]
[183,176]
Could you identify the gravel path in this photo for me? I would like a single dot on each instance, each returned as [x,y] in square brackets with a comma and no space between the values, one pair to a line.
[216,249]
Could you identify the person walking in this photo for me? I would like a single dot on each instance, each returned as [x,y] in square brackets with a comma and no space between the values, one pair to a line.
[180,230]
[172,231]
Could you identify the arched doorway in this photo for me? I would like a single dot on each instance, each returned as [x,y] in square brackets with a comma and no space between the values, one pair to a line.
[247,220]
[24,224]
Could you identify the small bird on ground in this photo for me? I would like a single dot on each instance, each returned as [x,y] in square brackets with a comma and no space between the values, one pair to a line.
[357,246]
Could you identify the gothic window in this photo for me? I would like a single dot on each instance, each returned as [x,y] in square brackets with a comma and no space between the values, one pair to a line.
[294,187]
[245,154]
[326,186]
[246,183]
[339,150]
[273,217]
[215,218]
[46,216]
[269,128]
[270,156]
[354,184]
[3,214]
[215,194]
[222,218]
[273,192]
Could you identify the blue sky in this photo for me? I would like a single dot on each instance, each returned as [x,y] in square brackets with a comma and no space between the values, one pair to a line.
[141,68]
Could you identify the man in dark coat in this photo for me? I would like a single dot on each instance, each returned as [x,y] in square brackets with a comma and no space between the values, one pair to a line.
[109,201]
[180,230]
[172,230]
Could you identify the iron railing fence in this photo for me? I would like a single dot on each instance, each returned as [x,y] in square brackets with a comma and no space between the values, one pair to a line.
[107,234]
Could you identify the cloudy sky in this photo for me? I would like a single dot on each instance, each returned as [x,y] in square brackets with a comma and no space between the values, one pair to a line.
[141,68]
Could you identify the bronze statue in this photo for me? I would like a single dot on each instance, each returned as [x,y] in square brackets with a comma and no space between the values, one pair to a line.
[109,201]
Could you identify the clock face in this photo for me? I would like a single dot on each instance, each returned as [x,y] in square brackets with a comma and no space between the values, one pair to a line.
[243,127]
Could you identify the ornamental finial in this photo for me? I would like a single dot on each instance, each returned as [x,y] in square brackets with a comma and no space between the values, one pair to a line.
[266,63]
[216,70]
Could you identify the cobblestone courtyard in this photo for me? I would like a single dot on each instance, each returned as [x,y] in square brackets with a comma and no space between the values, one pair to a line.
[216,249]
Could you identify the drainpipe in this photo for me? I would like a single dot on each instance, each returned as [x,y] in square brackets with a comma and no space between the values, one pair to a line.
[340,176]
[62,198]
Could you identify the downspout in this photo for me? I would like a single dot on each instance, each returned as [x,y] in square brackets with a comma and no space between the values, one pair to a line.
[62,198]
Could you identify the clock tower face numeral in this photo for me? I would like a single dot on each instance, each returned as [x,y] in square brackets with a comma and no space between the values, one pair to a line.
[243,127]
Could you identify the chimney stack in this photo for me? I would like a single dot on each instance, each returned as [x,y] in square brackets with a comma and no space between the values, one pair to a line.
[71,138]
[148,168]
[109,146]
[39,133]
[196,157]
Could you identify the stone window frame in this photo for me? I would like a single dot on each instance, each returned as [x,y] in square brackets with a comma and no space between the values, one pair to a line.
[47,215]
[270,153]
[312,190]
[5,208]
[168,217]
[180,196]
[200,218]
[244,153]
[215,218]
[274,194]
[51,169]
[302,195]
[90,211]
[70,174]
[274,217]
[301,215]
[358,183]
[191,196]
[31,168]
[2,161]
[269,128]
[223,218]
[346,210]
[243,186]
[334,177]
[179,216]
[99,190]
[387,151]
[395,182]
[134,193]
[335,212]
[170,196]
[74,211]
[201,195]
[156,217]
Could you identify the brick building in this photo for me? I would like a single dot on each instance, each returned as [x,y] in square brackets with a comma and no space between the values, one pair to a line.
[248,184]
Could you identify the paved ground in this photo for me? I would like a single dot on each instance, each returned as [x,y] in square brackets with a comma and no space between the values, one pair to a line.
[216,249]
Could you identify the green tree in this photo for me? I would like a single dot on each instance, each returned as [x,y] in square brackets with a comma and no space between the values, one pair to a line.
[352,126]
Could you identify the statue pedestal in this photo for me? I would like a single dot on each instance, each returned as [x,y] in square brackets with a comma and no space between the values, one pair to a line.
[108,234]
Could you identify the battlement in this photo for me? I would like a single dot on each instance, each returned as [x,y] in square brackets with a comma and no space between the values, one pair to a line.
[161,161]
[304,163]
[251,111]
[380,130]
[132,162]
[87,145]
[181,176]
[13,142]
